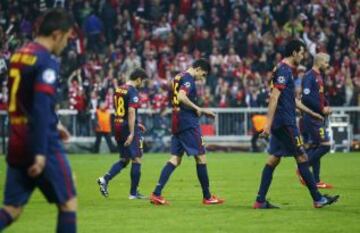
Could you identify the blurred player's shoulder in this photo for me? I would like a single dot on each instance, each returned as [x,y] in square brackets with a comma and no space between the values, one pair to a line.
[123,89]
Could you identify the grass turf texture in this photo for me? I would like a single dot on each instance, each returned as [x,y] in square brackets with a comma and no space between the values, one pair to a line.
[234,177]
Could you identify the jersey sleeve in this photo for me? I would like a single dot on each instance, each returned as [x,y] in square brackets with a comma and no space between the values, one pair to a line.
[133,99]
[279,80]
[186,84]
[44,91]
[46,79]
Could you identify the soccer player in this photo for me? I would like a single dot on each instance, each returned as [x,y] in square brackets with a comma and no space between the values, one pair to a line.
[36,157]
[281,124]
[127,134]
[186,131]
[314,131]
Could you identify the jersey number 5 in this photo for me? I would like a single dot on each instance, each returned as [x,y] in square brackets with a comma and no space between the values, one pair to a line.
[119,106]
[176,92]
[15,75]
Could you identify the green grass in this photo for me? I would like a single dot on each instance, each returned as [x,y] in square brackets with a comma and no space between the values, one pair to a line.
[233,176]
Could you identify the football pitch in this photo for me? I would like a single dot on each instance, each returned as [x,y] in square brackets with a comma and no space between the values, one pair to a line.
[233,176]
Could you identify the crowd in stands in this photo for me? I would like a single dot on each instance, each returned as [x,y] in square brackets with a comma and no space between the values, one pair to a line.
[242,39]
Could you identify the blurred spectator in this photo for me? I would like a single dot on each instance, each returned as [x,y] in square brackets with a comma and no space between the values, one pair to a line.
[103,128]
[243,40]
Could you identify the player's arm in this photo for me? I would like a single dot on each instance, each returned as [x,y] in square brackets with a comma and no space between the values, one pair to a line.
[273,101]
[64,133]
[44,90]
[131,122]
[41,118]
[182,97]
[303,108]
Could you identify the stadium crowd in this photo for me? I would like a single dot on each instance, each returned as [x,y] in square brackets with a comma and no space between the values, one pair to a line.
[242,39]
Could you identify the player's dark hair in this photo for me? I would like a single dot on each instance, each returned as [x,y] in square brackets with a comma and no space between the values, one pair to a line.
[203,64]
[138,73]
[293,46]
[52,20]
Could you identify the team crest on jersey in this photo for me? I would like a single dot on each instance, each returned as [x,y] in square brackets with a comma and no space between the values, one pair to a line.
[306,91]
[136,99]
[49,76]
[281,79]
[187,84]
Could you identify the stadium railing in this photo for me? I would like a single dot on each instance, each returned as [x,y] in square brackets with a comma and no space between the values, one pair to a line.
[231,125]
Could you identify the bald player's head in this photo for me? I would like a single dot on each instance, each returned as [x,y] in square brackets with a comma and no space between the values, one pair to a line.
[321,61]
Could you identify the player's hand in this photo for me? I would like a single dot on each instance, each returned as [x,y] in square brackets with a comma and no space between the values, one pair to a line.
[206,112]
[266,132]
[37,168]
[64,133]
[129,140]
[318,116]
[142,127]
[327,110]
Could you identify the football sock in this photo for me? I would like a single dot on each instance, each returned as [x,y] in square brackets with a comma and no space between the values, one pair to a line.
[316,170]
[135,174]
[5,219]
[309,180]
[115,169]
[165,174]
[315,155]
[266,179]
[66,222]
[204,179]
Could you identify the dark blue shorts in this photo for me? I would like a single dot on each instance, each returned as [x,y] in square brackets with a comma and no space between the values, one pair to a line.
[189,141]
[286,141]
[313,131]
[56,182]
[135,149]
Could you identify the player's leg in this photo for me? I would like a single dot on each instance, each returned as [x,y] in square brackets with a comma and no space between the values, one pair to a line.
[9,214]
[320,139]
[202,174]
[66,222]
[135,175]
[135,152]
[295,146]
[304,170]
[166,172]
[58,187]
[18,189]
[266,178]
[115,169]
[177,152]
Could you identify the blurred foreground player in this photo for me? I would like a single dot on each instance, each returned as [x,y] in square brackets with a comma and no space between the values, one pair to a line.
[281,125]
[313,130]
[36,157]
[186,131]
[127,134]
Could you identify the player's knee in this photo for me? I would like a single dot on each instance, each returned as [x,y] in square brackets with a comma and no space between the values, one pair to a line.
[273,161]
[201,159]
[136,160]
[124,162]
[175,160]
[69,206]
[302,158]
[14,211]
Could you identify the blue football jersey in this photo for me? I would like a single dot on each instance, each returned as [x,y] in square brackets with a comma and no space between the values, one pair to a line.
[33,80]
[124,97]
[183,117]
[313,91]
[285,113]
